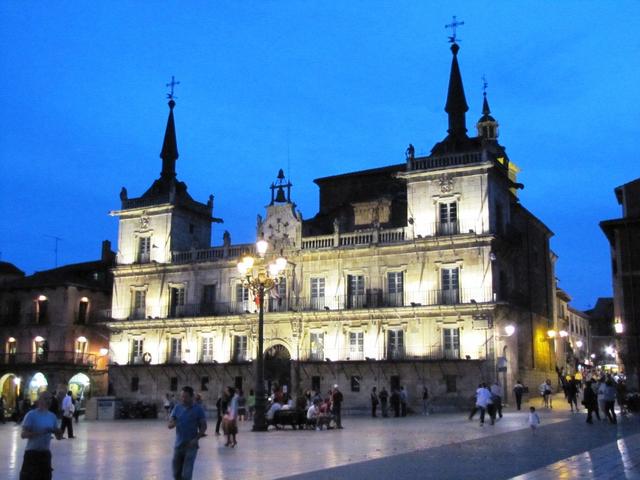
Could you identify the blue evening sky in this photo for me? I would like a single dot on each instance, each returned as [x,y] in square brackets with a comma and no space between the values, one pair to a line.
[315,87]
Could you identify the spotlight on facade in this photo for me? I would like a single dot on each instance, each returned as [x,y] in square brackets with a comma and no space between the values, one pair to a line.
[609,350]
[619,327]
[551,333]
[38,339]
[579,344]
[11,340]
[42,298]
[563,333]
[509,330]
[16,381]
[593,355]
[103,351]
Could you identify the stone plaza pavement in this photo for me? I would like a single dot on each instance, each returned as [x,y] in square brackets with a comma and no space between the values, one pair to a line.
[439,446]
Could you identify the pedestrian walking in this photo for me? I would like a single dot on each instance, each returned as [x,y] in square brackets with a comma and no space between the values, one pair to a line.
[188,418]
[242,406]
[251,405]
[68,409]
[483,399]
[610,400]
[601,388]
[230,420]
[403,402]
[621,396]
[546,391]
[384,398]
[221,407]
[37,428]
[336,405]
[167,405]
[374,402]
[2,419]
[534,419]
[590,402]
[571,392]
[518,390]
[425,400]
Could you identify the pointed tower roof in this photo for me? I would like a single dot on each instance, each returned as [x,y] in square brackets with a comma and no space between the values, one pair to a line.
[486,117]
[456,106]
[487,125]
[169,153]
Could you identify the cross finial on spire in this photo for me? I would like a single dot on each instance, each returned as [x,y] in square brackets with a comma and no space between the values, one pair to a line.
[484,85]
[172,84]
[453,25]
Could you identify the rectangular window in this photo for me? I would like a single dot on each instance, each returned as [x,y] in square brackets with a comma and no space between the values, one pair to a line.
[355,291]
[278,296]
[394,382]
[175,350]
[176,303]
[317,346]
[449,283]
[395,289]
[242,299]
[208,304]
[451,342]
[356,346]
[173,384]
[315,383]
[137,350]
[204,384]
[237,382]
[139,304]
[355,383]
[395,344]
[448,224]
[206,350]
[317,293]
[42,311]
[135,384]
[450,381]
[240,348]
[80,354]
[12,350]
[83,308]
[144,249]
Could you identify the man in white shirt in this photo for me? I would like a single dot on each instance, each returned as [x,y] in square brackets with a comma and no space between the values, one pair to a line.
[67,414]
[272,411]
[312,415]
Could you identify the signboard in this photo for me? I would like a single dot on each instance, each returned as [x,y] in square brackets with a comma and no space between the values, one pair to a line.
[480,324]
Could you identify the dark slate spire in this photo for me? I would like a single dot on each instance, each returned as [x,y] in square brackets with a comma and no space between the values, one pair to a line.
[169,153]
[456,105]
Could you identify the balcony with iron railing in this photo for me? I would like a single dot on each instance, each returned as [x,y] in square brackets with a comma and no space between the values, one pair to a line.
[370,300]
[407,353]
[49,357]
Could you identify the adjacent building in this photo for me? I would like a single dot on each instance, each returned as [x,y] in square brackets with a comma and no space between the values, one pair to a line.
[415,274]
[624,239]
[51,330]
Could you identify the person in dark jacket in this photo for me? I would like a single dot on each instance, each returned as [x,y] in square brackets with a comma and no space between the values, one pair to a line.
[518,390]
[571,391]
[384,398]
[395,402]
[374,402]
[221,406]
[590,402]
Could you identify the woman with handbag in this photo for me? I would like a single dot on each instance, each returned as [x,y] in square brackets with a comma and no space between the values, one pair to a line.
[230,419]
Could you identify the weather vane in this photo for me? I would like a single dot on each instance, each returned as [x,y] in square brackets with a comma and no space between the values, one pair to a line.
[172,84]
[484,85]
[453,25]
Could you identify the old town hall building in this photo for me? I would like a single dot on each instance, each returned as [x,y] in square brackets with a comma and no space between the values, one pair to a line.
[428,272]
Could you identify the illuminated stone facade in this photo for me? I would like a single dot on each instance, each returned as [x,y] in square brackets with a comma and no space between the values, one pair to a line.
[407,275]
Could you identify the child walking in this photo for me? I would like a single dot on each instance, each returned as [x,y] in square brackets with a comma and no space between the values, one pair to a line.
[534,419]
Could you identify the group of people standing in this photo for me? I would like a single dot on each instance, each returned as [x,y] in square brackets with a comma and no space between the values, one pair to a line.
[398,400]
[322,411]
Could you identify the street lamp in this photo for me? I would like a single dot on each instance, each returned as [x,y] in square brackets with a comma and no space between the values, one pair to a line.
[259,284]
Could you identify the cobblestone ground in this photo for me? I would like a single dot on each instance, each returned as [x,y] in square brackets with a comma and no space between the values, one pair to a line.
[437,446]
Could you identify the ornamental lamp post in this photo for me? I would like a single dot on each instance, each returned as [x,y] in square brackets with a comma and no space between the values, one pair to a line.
[259,284]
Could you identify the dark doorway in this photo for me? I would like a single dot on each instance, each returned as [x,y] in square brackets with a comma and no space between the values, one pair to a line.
[277,367]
